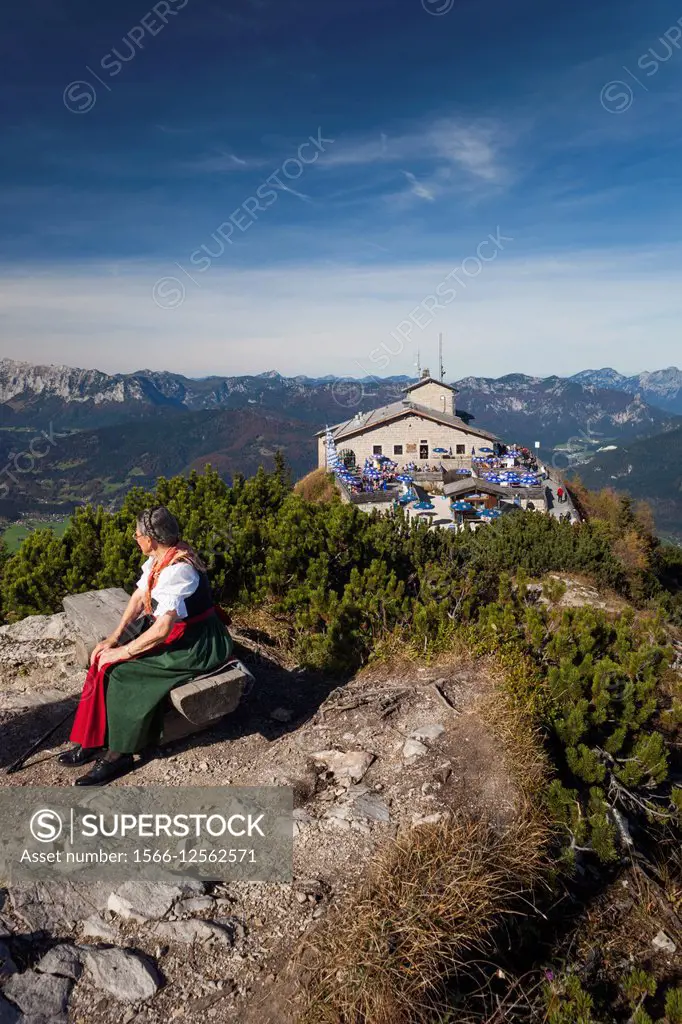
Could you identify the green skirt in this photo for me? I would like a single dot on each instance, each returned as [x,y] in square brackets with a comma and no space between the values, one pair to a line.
[137,689]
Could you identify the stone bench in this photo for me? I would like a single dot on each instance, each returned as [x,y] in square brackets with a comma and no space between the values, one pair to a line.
[193,706]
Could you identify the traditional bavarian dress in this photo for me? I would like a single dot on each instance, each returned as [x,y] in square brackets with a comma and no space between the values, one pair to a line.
[122,706]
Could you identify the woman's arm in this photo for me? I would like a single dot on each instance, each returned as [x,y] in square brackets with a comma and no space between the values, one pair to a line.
[150,638]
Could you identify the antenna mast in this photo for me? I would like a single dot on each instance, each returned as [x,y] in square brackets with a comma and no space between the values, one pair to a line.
[440,357]
[419,365]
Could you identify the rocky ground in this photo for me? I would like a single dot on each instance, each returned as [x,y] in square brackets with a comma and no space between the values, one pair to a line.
[365,757]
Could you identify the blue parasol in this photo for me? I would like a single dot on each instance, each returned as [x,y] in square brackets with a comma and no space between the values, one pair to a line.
[440,451]
[462,506]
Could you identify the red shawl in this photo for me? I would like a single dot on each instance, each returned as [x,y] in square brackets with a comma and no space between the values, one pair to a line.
[180,552]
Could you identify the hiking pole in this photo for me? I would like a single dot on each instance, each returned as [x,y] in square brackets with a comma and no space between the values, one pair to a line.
[19,763]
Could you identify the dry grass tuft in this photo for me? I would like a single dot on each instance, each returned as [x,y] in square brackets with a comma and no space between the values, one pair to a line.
[264,634]
[522,739]
[428,908]
[317,486]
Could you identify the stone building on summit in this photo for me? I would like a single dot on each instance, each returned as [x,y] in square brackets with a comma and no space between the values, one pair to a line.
[409,431]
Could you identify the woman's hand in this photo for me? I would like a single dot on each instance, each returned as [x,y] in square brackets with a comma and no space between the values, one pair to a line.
[103,645]
[112,656]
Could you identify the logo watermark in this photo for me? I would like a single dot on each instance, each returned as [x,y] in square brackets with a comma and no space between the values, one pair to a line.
[221,832]
[438,7]
[169,291]
[576,446]
[348,392]
[618,95]
[24,461]
[422,316]
[46,825]
[80,96]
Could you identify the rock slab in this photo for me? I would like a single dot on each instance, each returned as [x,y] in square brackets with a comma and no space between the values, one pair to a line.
[427,732]
[40,995]
[149,901]
[51,906]
[64,961]
[95,927]
[663,942]
[414,748]
[125,975]
[349,766]
[194,905]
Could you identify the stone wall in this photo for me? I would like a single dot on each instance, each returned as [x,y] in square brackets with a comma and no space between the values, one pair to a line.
[434,396]
[409,431]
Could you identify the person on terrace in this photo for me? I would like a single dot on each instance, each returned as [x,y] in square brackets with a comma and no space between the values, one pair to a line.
[178,634]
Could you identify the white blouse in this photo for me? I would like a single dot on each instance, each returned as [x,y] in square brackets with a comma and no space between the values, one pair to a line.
[173,585]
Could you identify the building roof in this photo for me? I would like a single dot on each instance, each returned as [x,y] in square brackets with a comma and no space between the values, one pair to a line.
[460,488]
[430,380]
[387,413]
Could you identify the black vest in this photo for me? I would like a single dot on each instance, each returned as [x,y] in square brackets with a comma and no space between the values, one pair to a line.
[200,601]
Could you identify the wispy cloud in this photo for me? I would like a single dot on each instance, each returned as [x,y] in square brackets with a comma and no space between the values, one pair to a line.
[475,148]
[448,154]
[299,195]
[417,188]
[221,161]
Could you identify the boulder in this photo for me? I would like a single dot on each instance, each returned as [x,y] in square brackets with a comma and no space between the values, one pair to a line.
[52,906]
[663,942]
[65,961]
[93,615]
[427,732]
[95,927]
[371,806]
[40,996]
[349,766]
[194,905]
[35,628]
[149,901]
[127,976]
[414,748]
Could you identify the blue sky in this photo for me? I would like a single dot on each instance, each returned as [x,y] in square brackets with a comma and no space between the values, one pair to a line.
[138,227]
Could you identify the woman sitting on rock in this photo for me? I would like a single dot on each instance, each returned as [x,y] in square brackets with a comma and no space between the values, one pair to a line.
[184,636]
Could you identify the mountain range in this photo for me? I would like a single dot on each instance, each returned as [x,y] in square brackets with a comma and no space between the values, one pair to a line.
[31,395]
[115,430]
[662,388]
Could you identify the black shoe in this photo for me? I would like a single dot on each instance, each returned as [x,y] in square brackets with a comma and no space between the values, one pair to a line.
[104,771]
[78,755]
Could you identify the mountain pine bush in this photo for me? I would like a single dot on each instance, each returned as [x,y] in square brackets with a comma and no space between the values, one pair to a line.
[344,580]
